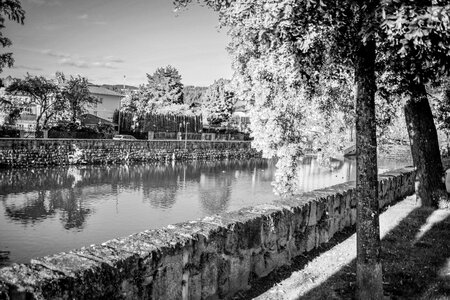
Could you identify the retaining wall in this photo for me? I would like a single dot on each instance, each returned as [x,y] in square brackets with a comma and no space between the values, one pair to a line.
[205,259]
[45,152]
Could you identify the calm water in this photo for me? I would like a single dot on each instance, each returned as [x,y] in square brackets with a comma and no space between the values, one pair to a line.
[49,210]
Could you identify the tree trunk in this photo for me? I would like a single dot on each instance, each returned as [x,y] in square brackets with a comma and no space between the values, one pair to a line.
[38,122]
[368,265]
[424,146]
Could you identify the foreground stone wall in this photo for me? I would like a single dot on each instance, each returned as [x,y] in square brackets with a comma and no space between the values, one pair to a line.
[205,259]
[45,152]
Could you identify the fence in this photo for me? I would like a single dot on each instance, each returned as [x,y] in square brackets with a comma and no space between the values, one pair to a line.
[159,123]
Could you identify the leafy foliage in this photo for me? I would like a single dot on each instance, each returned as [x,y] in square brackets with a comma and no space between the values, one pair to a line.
[163,94]
[416,39]
[443,108]
[43,93]
[193,95]
[74,131]
[12,106]
[219,101]
[76,95]
[164,86]
[11,10]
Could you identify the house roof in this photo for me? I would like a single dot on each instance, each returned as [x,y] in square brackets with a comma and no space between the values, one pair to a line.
[95,89]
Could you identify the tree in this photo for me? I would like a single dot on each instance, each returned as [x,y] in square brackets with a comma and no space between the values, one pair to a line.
[12,106]
[141,102]
[165,86]
[415,49]
[76,95]
[12,10]
[279,48]
[219,102]
[193,95]
[42,93]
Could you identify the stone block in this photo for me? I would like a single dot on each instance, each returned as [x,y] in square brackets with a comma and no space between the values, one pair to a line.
[353,216]
[311,236]
[209,275]
[321,210]
[312,218]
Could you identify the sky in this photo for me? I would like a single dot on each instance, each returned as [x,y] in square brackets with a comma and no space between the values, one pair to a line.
[105,40]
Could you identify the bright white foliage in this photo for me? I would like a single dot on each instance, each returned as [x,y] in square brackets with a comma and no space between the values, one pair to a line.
[286,120]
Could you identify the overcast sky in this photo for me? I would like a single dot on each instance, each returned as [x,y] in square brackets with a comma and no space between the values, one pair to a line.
[104,40]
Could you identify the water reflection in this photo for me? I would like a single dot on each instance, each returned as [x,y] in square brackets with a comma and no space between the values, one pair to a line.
[31,196]
[307,174]
[46,204]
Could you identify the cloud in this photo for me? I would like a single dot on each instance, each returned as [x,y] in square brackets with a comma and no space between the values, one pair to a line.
[102,64]
[74,63]
[87,20]
[27,68]
[55,54]
[113,59]
[45,2]
[77,61]
[81,63]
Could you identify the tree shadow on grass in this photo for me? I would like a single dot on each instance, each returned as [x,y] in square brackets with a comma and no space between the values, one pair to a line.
[415,258]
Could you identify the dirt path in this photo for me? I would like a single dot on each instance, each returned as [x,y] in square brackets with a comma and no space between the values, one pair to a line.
[416,260]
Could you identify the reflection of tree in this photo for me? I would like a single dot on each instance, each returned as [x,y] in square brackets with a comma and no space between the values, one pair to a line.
[73,214]
[48,204]
[33,210]
[160,183]
[215,192]
[306,174]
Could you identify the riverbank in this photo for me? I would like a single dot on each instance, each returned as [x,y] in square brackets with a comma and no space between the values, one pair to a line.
[19,153]
[415,257]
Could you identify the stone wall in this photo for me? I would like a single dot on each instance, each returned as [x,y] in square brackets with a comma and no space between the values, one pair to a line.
[205,259]
[45,152]
[395,152]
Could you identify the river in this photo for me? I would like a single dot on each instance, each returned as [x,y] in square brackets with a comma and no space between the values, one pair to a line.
[49,210]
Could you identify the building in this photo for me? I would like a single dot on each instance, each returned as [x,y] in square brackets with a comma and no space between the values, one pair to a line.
[109,101]
[26,122]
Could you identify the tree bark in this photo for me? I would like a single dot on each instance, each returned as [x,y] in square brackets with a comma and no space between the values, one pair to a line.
[368,264]
[424,146]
